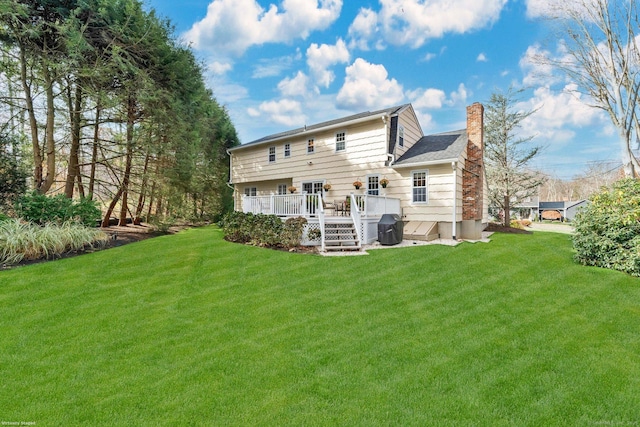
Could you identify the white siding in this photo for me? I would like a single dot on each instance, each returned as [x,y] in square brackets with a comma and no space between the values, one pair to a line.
[412,131]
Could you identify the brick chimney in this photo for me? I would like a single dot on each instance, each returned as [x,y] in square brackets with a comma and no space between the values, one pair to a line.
[472,175]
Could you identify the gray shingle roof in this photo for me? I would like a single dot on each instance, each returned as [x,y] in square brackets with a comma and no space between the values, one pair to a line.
[434,148]
[319,126]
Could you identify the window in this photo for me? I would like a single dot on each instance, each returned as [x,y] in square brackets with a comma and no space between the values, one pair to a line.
[287,150]
[401,136]
[272,154]
[310,146]
[340,141]
[282,189]
[420,186]
[250,191]
[373,185]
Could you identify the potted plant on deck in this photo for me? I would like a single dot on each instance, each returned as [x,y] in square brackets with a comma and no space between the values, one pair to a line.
[292,189]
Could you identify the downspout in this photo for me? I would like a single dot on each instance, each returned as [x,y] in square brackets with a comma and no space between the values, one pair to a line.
[229,183]
[455,198]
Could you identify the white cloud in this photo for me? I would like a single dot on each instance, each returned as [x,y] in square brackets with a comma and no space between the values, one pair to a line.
[429,56]
[458,97]
[482,58]
[220,67]
[558,114]
[429,98]
[286,112]
[297,86]
[538,8]
[413,22]
[363,28]
[320,58]
[270,67]
[555,8]
[426,120]
[232,26]
[368,86]
[536,70]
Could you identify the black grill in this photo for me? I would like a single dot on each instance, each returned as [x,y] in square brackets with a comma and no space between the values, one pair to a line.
[390,229]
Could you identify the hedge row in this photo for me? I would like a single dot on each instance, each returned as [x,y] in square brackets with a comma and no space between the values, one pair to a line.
[262,230]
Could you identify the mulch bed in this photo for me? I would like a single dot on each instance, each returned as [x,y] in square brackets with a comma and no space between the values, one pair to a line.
[499,228]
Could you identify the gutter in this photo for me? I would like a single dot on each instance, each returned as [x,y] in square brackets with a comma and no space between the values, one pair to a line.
[427,163]
[307,131]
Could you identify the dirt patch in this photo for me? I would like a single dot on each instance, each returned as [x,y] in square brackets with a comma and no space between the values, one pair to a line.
[498,228]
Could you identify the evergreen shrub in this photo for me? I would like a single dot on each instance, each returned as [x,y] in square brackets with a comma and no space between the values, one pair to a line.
[607,230]
[41,209]
[261,229]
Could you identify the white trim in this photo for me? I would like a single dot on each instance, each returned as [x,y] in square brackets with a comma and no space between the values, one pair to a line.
[344,141]
[371,175]
[426,186]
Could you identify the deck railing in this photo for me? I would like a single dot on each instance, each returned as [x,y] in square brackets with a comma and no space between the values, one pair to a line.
[377,205]
[282,205]
[305,205]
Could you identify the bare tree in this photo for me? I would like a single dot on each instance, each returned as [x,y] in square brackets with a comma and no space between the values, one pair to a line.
[601,55]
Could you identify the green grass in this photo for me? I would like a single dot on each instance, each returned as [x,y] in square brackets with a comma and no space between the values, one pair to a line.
[192,330]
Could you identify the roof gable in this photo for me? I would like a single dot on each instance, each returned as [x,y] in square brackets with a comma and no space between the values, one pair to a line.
[434,148]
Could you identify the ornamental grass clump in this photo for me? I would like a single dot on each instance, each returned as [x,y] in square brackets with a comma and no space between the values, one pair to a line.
[24,241]
[607,230]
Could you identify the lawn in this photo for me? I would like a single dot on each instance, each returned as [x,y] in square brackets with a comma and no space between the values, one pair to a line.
[192,330]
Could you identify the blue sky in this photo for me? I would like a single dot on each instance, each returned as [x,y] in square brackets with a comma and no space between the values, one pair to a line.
[278,65]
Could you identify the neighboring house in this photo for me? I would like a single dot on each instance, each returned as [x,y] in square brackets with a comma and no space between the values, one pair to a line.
[564,211]
[435,182]
[529,208]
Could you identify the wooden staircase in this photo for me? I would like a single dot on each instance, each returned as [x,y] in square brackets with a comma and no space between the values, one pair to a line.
[341,236]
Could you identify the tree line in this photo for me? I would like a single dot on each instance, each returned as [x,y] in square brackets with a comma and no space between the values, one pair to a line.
[99,100]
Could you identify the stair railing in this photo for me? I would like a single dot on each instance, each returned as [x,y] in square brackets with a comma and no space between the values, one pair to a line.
[356,216]
[320,212]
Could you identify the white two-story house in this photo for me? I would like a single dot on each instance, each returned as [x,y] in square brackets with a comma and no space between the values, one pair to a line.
[435,183]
